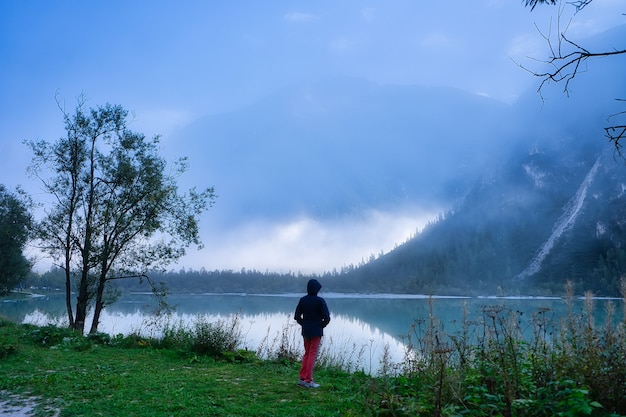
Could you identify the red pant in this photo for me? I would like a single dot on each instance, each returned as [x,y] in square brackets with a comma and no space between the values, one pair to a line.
[311,346]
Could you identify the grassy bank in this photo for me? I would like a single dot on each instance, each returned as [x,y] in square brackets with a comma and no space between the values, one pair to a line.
[130,377]
[499,365]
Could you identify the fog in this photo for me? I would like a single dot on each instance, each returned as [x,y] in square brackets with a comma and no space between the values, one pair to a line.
[308,245]
[326,180]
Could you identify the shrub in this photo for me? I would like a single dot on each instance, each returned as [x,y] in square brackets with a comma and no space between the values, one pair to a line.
[204,337]
[99,338]
[214,338]
[132,340]
[176,337]
[52,335]
[7,350]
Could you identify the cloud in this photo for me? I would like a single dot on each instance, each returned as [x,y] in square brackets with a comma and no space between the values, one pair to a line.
[308,245]
[298,17]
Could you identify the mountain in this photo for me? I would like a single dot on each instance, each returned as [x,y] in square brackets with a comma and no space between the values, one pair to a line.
[531,223]
[549,210]
[339,147]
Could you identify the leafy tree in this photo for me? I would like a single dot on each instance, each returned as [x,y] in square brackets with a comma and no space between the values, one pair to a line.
[15,226]
[116,212]
[564,63]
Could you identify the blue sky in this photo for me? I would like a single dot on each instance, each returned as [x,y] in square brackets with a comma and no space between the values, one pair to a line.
[171,63]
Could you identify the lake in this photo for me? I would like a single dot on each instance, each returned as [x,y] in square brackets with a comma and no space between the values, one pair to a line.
[362,325]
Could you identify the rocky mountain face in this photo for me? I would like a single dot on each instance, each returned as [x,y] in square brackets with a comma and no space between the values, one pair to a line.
[551,210]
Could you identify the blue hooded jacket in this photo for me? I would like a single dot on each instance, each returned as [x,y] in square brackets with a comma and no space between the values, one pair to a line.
[312,312]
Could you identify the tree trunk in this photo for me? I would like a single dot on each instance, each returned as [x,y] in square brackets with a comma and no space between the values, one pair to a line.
[68,295]
[99,305]
[81,302]
[96,315]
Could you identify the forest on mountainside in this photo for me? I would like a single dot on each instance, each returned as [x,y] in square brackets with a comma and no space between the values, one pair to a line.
[558,207]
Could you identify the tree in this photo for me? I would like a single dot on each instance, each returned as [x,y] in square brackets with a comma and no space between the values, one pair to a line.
[116,212]
[533,3]
[15,227]
[564,63]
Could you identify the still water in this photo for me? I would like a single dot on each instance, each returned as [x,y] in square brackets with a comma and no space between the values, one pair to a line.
[362,326]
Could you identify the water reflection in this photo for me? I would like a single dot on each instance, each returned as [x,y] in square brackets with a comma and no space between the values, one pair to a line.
[349,338]
[361,326]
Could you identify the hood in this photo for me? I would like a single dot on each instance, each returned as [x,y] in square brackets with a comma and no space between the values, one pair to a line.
[313,287]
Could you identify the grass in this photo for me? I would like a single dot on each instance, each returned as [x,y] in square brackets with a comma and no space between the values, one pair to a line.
[499,365]
[91,379]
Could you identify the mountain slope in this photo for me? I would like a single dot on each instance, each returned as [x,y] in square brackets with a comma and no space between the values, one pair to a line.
[550,213]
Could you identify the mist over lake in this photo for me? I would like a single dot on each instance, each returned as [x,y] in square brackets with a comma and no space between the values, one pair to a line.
[362,324]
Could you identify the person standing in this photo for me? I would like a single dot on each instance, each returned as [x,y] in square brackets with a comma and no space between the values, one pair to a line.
[313,316]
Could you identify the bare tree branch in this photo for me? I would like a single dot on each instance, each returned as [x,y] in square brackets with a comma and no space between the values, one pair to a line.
[616,131]
[567,65]
[566,60]
[533,3]
[159,290]
[578,4]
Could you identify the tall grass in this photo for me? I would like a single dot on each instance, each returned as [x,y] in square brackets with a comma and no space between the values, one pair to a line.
[503,365]
[225,337]
[204,337]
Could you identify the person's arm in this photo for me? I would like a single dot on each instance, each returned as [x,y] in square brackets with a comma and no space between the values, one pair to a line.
[325,314]
[298,314]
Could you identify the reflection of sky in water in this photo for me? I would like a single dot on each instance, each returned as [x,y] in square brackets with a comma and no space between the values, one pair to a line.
[361,326]
[346,337]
